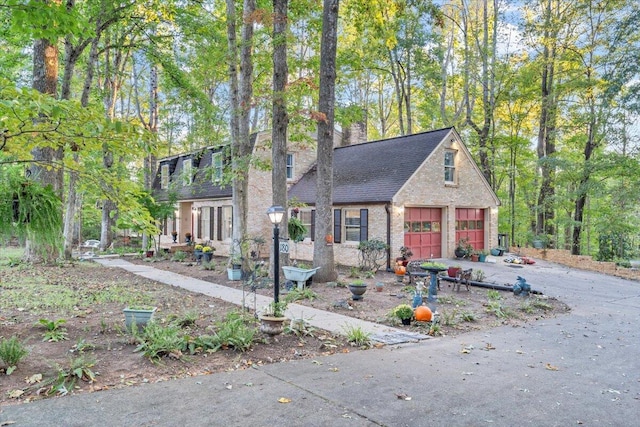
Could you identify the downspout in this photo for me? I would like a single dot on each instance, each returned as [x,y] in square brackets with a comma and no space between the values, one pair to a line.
[387,208]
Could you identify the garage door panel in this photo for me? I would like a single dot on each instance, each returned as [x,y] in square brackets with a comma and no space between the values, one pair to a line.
[423,232]
[470,226]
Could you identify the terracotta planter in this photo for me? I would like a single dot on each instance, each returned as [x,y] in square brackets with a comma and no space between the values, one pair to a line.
[453,271]
[474,258]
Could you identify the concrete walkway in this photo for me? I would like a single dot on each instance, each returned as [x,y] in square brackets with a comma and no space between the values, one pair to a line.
[333,322]
[578,369]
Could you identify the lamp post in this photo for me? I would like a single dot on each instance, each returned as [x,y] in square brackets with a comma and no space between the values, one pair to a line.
[275,216]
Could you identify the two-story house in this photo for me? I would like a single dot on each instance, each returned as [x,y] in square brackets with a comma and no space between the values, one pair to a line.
[423,191]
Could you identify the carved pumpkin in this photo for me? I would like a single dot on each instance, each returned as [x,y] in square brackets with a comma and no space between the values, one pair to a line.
[400,270]
[423,314]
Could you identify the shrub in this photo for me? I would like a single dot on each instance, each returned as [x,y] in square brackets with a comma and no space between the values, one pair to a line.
[402,311]
[54,332]
[156,341]
[11,352]
[372,254]
[179,256]
[356,336]
[79,369]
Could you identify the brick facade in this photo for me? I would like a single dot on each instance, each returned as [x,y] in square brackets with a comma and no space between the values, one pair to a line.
[426,188]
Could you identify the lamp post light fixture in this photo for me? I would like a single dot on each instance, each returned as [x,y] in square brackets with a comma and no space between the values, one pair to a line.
[275,216]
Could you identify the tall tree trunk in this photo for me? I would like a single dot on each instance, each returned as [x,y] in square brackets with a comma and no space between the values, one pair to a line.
[546,132]
[241,96]
[280,116]
[323,256]
[46,160]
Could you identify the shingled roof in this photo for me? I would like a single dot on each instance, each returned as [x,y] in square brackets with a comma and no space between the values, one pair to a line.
[374,171]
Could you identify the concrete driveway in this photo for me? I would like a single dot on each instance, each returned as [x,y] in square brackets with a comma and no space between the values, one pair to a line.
[582,368]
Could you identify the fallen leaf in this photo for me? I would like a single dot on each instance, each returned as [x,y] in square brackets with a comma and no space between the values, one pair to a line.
[14,394]
[284,400]
[489,347]
[33,379]
[403,396]
[550,367]
[465,351]
[334,369]
[7,423]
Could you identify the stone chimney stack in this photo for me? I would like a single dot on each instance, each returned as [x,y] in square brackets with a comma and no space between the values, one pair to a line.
[356,133]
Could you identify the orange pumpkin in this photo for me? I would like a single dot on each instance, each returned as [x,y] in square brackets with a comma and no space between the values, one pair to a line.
[423,314]
[400,270]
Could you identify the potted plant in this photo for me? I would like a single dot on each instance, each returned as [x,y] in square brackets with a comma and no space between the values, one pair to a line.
[197,252]
[475,256]
[207,253]
[174,234]
[138,315]
[187,238]
[357,288]
[463,249]
[234,267]
[379,286]
[453,270]
[405,255]
[404,312]
[482,255]
[273,317]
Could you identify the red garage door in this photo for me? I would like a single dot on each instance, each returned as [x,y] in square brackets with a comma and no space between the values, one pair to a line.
[422,232]
[470,225]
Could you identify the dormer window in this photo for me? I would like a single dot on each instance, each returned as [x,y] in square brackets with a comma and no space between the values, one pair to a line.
[289,166]
[216,163]
[450,167]
[187,172]
[164,177]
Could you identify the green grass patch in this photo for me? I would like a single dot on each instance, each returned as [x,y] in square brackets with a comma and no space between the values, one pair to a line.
[63,289]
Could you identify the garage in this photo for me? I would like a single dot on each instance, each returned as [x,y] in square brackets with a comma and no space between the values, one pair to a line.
[470,225]
[423,232]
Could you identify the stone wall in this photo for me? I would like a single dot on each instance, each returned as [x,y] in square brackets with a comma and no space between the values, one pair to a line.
[583,262]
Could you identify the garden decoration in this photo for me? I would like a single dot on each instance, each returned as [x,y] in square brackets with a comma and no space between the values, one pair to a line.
[433,268]
[299,275]
[521,287]
[417,296]
[423,314]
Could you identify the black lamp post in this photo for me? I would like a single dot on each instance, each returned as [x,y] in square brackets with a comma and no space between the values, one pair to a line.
[275,216]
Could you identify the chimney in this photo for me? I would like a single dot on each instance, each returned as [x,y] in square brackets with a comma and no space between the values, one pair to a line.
[356,133]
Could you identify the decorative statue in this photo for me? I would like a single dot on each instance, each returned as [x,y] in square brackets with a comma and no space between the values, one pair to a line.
[521,287]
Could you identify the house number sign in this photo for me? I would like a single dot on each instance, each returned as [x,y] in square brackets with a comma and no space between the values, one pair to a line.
[284,247]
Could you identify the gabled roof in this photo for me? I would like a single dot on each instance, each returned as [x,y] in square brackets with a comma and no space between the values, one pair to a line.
[202,187]
[373,171]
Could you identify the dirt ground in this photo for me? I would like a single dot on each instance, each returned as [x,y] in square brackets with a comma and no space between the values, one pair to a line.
[97,336]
